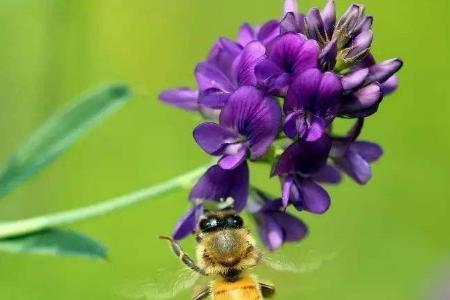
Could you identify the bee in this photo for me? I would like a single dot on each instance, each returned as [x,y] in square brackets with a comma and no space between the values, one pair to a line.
[226,252]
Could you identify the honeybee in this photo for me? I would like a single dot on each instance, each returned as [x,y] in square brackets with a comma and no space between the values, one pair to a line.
[226,252]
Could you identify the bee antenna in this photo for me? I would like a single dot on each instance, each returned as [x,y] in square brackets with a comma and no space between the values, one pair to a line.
[167,238]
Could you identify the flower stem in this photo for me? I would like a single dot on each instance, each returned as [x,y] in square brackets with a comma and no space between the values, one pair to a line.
[26,226]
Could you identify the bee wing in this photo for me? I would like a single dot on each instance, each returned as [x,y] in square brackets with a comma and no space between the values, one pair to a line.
[163,285]
[308,262]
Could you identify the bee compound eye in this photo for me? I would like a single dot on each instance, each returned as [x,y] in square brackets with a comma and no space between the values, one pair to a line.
[234,222]
[209,224]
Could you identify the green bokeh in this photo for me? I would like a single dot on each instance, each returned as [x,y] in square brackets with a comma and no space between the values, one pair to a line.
[391,236]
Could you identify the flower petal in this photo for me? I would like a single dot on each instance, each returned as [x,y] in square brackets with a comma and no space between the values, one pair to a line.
[267,69]
[268,32]
[294,229]
[279,86]
[270,232]
[230,46]
[209,76]
[302,91]
[349,19]
[213,138]
[255,116]
[219,184]
[340,145]
[316,91]
[316,130]
[390,85]
[367,61]
[209,113]
[187,223]
[315,198]
[232,161]
[294,124]
[329,95]
[355,79]
[368,95]
[307,58]
[365,24]
[328,55]
[243,69]
[370,152]
[246,35]
[383,71]
[315,28]
[223,54]
[290,6]
[271,205]
[286,190]
[293,53]
[289,23]
[304,157]
[328,15]
[183,98]
[355,166]
[361,44]
[213,98]
[363,102]
[328,174]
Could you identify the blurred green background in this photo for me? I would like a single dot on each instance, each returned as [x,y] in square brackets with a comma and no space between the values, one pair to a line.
[392,236]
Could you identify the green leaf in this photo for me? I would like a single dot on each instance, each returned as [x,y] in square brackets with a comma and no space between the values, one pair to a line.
[59,133]
[55,242]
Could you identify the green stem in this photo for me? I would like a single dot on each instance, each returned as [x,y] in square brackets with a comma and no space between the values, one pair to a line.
[25,226]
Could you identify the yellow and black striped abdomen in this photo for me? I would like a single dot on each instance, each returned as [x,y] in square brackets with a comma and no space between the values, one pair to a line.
[246,288]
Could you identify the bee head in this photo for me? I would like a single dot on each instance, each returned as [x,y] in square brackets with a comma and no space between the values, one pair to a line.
[220,221]
[224,244]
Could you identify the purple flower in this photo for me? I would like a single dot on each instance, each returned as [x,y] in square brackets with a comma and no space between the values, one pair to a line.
[366,85]
[317,68]
[188,223]
[354,157]
[183,98]
[223,53]
[303,157]
[287,57]
[228,67]
[345,49]
[293,21]
[218,184]
[264,34]
[342,43]
[306,194]
[301,166]
[248,124]
[290,6]
[311,104]
[216,85]
[269,30]
[275,226]
[320,25]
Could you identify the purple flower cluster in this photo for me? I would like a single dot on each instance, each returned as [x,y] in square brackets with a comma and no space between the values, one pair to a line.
[272,96]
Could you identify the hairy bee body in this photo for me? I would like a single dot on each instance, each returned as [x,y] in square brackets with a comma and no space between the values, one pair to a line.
[246,288]
[226,252]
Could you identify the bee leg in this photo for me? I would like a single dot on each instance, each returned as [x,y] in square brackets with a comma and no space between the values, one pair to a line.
[203,294]
[183,256]
[267,290]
